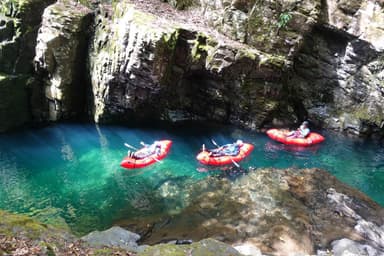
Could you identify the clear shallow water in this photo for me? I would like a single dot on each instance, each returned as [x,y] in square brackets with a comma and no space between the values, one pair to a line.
[70,173]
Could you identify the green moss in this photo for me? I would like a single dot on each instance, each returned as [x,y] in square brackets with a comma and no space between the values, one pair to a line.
[202,45]
[104,251]
[206,247]
[166,249]
[248,53]
[364,114]
[260,32]
[170,40]
[165,53]
[276,61]
[11,223]
[8,6]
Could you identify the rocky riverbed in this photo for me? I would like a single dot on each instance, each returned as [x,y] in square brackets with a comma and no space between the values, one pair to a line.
[299,211]
[266,211]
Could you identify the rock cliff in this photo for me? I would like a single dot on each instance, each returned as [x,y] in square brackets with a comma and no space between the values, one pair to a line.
[250,63]
[60,58]
[278,62]
[338,73]
[146,66]
[20,100]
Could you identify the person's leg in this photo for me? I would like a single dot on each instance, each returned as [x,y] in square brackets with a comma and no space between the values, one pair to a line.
[290,134]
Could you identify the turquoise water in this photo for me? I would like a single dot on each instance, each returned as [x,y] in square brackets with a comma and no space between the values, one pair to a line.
[70,173]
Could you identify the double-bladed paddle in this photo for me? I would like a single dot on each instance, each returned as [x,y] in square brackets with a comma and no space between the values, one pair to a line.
[233,161]
[134,148]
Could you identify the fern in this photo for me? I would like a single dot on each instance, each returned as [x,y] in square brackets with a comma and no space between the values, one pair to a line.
[283,20]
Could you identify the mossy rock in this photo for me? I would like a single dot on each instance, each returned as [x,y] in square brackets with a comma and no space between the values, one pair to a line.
[276,62]
[206,247]
[12,223]
[369,115]
[202,46]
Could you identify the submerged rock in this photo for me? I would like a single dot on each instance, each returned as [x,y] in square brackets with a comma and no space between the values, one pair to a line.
[281,212]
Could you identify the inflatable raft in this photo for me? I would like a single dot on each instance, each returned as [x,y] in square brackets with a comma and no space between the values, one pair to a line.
[131,162]
[280,135]
[204,156]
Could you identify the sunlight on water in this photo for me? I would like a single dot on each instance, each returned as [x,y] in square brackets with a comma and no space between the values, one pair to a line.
[69,174]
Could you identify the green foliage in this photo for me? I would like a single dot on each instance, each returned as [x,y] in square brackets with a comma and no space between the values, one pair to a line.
[283,20]
[201,46]
[8,7]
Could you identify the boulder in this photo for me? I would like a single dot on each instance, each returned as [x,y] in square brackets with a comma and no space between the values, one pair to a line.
[114,237]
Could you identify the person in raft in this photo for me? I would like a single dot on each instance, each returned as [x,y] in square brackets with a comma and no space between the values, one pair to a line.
[301,132]
[231,149]
[147,150]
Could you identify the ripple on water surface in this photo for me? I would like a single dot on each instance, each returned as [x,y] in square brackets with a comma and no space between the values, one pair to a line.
[70,173]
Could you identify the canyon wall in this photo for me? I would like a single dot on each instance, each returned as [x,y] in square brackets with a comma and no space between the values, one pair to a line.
[250,63]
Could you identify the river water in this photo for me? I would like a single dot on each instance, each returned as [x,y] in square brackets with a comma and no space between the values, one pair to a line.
[69,174]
